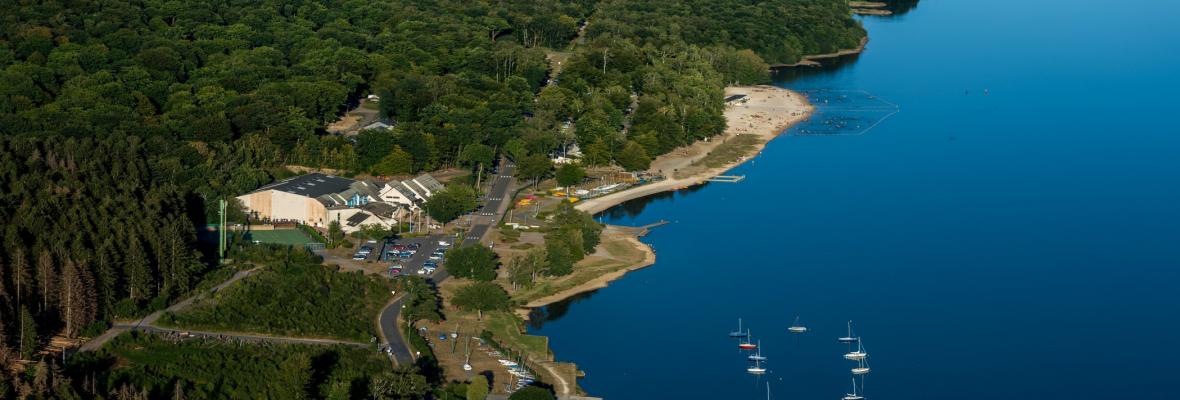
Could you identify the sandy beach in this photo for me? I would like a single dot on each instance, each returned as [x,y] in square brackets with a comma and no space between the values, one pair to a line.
[768,112]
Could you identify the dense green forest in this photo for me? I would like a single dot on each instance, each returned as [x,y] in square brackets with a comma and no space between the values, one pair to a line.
[779,31]
[144,366]
[293,299]
[123,122]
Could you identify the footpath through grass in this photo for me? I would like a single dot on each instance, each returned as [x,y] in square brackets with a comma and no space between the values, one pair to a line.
[301,299]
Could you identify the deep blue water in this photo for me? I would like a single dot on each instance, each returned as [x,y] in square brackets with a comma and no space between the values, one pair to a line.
[1023,244]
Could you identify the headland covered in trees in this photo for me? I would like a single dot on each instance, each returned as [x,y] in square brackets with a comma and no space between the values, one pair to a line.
[122,123]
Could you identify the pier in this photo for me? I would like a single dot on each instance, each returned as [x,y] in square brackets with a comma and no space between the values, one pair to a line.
[728,178]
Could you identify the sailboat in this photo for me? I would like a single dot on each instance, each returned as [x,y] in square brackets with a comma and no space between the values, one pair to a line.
[756,369]
[467,349]
[849,338]
[862,367]
[859,354]
[738,333]
[758,357]
[853,395]
[746,345]
[796,328]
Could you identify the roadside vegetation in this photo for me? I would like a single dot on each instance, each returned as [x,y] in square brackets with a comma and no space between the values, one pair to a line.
[293,299]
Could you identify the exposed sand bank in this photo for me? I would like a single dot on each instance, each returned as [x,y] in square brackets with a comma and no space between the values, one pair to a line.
[768,112]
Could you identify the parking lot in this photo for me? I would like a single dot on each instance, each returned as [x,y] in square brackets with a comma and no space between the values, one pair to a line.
[407,256]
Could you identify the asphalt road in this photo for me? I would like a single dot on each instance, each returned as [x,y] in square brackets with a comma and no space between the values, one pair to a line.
[398,348]
[495,204]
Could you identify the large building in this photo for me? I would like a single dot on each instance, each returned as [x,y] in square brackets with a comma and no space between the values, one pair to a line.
[411,193]
[306,199]
[317,200]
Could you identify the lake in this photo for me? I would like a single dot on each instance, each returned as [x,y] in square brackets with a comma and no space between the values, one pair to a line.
[1012,232]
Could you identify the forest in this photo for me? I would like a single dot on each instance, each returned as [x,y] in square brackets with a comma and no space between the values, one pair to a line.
[122,123]
[293,299]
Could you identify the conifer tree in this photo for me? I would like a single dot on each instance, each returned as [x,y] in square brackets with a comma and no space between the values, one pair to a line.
[45,274]
[77,298]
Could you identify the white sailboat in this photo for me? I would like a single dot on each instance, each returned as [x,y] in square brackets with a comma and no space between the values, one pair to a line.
[859,354]
[862,367]
[758,356]
[853,395]
[756,369]
[796,328]
[849,338]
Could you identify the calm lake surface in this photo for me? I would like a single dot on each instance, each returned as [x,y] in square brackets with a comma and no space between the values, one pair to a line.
[1019,244]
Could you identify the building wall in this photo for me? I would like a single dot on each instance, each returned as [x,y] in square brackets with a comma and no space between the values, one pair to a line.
[273,204]
[391,195]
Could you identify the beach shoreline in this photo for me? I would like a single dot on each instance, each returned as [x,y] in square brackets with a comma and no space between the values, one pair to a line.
[768,112]
[599,282]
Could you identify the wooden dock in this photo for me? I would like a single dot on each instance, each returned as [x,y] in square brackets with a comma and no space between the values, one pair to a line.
[728,178]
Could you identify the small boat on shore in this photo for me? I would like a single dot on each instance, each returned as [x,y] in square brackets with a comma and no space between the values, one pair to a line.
[467,350]
[848,338]
[854,395]
[859,354]
[758,356]
[738,333]
[796,327]
[747,345]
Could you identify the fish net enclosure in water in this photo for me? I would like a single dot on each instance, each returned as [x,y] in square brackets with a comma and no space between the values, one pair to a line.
[844,112]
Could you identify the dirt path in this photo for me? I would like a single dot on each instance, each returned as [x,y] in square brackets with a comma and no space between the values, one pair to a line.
[150,320]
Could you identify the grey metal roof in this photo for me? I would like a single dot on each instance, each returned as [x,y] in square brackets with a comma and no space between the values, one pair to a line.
[401,187]
[428,182]
[310,185]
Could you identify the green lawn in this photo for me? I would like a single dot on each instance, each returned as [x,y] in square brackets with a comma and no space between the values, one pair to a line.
[506,328]
[304,300]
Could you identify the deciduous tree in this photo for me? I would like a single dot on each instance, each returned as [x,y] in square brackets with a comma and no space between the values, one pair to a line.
[480,297]
[473,262]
